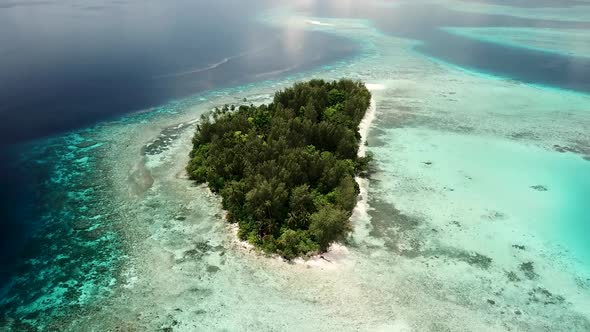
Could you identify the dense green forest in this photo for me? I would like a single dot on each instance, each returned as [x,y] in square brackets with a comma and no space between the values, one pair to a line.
[286,170]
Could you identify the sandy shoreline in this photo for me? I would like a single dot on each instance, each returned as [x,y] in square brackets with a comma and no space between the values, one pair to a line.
[338,252]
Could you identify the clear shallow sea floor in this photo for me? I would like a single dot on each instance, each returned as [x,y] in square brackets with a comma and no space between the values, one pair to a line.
[476,215]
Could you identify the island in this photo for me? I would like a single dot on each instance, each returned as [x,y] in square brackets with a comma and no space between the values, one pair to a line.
[286,171]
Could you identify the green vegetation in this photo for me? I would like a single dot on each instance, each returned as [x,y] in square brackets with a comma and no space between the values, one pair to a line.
[286,170]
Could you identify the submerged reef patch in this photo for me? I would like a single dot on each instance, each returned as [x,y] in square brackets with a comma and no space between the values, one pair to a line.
[398,231]
[580,148]
[539,187]
[472,258]
[74,255]
[529,270]
[163,141]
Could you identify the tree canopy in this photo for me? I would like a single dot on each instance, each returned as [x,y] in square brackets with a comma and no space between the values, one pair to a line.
[285,171]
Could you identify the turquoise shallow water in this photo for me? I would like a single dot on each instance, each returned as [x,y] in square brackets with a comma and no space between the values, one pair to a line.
[543,191]
[571,222]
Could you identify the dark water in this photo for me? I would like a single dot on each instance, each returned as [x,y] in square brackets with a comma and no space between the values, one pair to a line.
[67,65]
[16,191]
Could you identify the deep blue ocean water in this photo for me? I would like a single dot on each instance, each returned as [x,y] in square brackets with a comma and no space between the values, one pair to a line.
[66,66]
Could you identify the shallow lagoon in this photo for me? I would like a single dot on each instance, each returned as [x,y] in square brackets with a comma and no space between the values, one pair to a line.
[474,221]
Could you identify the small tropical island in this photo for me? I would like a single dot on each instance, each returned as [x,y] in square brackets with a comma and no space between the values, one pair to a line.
[286,171]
